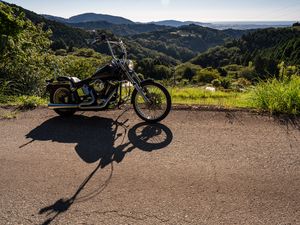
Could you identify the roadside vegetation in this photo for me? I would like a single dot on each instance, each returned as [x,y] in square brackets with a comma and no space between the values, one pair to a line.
[278,96]
[251,71]
[200,96]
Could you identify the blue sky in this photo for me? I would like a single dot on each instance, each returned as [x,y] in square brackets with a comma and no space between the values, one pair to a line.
[154,10]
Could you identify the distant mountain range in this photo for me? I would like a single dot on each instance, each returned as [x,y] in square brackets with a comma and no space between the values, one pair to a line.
[91,17]
[176,23]
[99,21]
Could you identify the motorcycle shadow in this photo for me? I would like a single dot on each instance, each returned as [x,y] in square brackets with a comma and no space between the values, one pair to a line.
[98,139]
[102,139]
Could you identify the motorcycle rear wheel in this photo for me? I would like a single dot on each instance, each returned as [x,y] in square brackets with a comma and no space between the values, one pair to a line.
[62,95]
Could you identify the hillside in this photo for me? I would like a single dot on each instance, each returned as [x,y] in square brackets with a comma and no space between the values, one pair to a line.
[118,29]
[146,40]
[185,42]
[91,17]
[71,36]
[176,23]
[273,45]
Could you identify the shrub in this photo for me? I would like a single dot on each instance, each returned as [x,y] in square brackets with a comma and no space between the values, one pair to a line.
[243,82]
[186,71]
[216,83]
[248,73]
[29,102]
[184,82]
[278,96]
[62,52]
[206,75]
[84,52]
[225,83]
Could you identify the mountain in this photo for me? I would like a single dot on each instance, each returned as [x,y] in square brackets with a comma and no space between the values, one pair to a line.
[244,25]
[55,18]
[91,17]
[71,36]
[171,44]
[238,25]
[176,23]
[185,42]
[122,30]
[269,46]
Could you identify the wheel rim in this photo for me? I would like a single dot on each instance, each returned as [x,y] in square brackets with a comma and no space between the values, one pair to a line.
[157,106]
[61,96]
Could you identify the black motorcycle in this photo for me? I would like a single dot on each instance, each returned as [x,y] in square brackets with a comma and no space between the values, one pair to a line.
[111,86]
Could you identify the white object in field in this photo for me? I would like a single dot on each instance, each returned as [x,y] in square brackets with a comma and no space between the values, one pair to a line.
[127,84]
[212,89]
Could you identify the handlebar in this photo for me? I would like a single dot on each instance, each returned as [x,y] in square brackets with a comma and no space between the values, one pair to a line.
[110,43]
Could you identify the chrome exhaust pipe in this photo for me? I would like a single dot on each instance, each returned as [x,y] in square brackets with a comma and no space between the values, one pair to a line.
[73,106]
[63,106]
[82,106]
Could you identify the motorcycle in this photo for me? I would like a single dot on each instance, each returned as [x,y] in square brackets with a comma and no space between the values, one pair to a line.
[105,89]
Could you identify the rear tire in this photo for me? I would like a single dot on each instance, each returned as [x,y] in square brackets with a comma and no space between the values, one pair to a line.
[155,107]
[62,95]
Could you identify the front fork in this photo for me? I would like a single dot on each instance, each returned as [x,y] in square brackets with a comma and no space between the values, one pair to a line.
[137,83]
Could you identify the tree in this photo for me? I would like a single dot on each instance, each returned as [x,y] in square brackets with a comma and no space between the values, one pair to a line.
[188,73]
[265,68]
[21,61]
[58,44]
[297,24]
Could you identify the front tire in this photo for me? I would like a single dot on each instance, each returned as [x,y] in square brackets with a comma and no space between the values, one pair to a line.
[62,95]
[159,106]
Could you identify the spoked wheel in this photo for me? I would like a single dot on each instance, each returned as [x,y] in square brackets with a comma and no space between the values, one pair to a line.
[158,105]
[62,96]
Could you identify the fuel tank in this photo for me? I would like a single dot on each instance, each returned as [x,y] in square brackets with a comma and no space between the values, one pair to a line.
[107,71]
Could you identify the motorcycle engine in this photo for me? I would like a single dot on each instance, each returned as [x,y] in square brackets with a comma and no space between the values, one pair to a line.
[98,86]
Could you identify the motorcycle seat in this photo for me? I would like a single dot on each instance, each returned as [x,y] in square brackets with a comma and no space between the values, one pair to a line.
[74,80]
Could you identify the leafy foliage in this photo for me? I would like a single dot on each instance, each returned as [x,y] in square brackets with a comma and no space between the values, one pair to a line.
[20,59]
[26,59]
[185,42]
[278,96]
[265,48]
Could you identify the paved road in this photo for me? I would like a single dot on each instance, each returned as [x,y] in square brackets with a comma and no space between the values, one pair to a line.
[194,168]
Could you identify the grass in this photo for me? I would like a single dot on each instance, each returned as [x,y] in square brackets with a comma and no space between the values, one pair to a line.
[8,114]
[23,102]
[278,96]
[200,96]
[274,96]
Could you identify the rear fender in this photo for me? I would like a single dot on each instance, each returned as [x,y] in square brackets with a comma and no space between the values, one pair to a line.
[51,87]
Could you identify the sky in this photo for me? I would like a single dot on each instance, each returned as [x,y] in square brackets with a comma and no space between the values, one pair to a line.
[183,10]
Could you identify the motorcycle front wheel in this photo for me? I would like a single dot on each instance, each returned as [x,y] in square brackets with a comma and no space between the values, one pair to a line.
[158,105]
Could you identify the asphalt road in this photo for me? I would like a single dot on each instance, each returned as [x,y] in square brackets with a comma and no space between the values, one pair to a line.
[195,168]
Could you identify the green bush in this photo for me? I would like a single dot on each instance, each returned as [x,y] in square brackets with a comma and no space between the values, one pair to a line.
[62,52]
[186,71]
[216,83]
[29,102]
[240,83]
[85,52]
[225,83]
[278,96]
[206,75]
[248,73]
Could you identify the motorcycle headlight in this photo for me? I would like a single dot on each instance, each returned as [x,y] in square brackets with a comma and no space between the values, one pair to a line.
[130,65]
